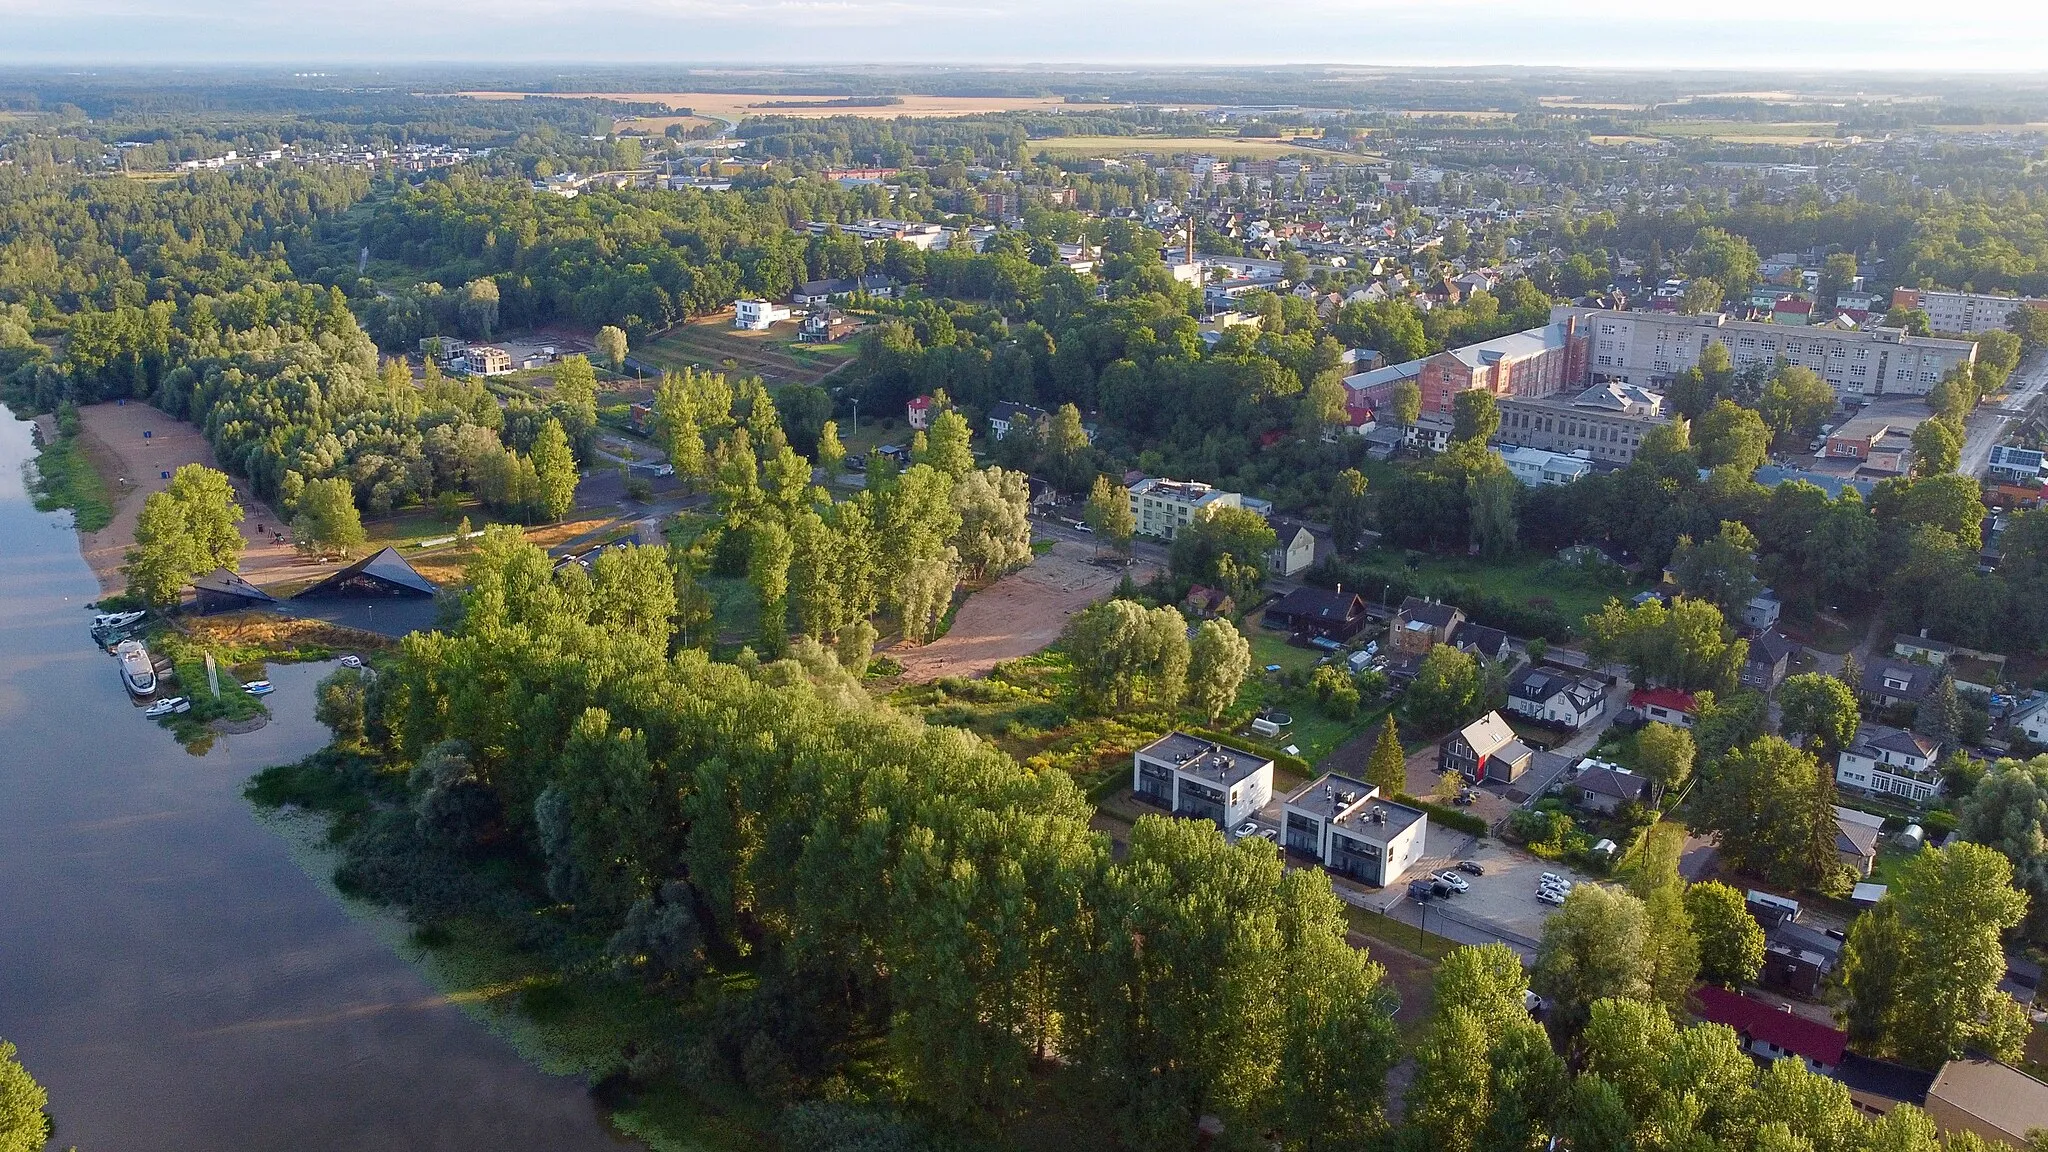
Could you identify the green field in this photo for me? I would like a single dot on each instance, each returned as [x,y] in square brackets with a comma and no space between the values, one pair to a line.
[1220,146]
[1530,580]
[775,356]
[65,478]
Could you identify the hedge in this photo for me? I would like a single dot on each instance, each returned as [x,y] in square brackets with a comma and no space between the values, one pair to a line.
[1450,818]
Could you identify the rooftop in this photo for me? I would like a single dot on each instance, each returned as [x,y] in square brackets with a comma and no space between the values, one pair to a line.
[1762,1022]
[1380,820]
[1330,795]
[1878,737]
[1999,1095]
[1488,734]
[1205,759]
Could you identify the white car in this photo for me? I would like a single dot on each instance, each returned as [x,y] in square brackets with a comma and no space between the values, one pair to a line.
[1553,878]
[1549,896]
[1246,829]
[1455,882]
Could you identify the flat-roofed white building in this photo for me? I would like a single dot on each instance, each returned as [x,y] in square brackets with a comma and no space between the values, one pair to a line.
[1352,830]
[1201,779]
[757,315]
[1164,507]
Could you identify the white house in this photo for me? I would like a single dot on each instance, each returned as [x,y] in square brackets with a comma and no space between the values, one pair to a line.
[1762,611]
[1536,467]
[2031,719]
[1294,553]
[1164,507]
[1201,779]
[1004,415]
[1555,698]
[1353,831]
[1892,762]
[757,315]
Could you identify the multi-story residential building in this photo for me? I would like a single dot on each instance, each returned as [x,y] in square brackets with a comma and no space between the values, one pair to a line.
[757,315]
[1423,624]
[1354,831]
[485,360]
[1606,422]
[1534,364]
[1164,507]
[1890,761]
[1201,779]
[1964,311]
[1649,348]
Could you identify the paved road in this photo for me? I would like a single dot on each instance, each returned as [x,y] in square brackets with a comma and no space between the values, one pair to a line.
[1986,426]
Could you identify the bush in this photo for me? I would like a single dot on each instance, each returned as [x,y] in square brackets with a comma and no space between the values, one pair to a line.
[1452,818]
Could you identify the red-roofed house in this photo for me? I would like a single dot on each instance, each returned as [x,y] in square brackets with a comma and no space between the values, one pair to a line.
[1771,1033]
[1664,705]
[1791,310]
[921,413]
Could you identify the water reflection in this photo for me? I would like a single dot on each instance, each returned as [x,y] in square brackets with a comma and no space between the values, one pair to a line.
[166,969]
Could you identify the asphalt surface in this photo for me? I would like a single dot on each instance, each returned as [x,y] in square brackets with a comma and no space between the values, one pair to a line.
[1986,426]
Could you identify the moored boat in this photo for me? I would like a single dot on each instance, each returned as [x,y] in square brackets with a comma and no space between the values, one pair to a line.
[138,672]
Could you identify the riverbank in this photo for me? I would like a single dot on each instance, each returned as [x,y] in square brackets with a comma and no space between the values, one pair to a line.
[66,478]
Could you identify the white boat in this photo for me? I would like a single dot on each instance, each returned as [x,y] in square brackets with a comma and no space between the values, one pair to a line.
[138,672]
[258,688]
[168,706]
[116,619]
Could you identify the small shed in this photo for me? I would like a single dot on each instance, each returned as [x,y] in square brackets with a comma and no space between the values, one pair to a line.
[223,591]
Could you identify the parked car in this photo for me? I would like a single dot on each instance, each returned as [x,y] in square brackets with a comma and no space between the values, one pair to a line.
[1551,878]
[1420,890]
[1465,797]
[1441,890]
[1245,829]
[1270,835]
[1472,866]
[1549,896]
[1453,881]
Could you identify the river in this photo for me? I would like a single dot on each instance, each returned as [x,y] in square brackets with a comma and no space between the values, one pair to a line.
[169,973]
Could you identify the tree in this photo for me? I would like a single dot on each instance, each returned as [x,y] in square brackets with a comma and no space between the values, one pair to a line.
[24,1125]
[1686,646]
[1108,512]
[1940,712]
[831,453]
[611,345]
[1225,547]
[1388,768]
[555,466]
[576,402]
[1597,946]
[2007,810]
[1480,1059]
[1323,403]
[1664,755]
[995,521]
[1722,569]
[1731,941]
[339,703]
[1729,259]
[1934,991]
[328,521]
[1492,496]
[1474,416]
[1837,275]
[1666,451]
[1349,513]
[1673,948]
[1771,807]
[1702,294]
[768,567]
[1936,448]
[1219,657]
[1796,401]
[946,445]
[1445,692]
[1126,656]
[1731,436]
[479,307]
[183,531]
[678,428]
[1820,711]
[1405,406]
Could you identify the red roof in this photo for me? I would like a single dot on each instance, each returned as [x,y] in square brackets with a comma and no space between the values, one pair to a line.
[1669,699]
[921,403]
[1794,305]
[1759,1021]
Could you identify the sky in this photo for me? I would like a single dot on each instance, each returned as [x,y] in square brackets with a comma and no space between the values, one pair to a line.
[1867,34]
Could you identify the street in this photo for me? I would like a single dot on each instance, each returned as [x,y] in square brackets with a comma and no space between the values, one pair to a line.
[1986,426]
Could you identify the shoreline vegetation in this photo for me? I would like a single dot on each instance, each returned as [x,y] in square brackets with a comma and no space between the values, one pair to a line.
[63,476]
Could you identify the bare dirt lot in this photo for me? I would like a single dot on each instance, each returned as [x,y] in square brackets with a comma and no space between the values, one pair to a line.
[737,105]
[135,466]
[1017,615]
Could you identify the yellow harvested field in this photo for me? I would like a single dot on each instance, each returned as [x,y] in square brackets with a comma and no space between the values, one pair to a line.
[1216,145]
[737,105]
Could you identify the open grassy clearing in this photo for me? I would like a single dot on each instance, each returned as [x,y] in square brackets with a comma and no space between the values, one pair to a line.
[1746,131]
[1531,580]
[775,356]
[66,478]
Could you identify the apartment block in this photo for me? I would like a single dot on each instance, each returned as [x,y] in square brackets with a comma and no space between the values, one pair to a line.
[1353,830]
[1606,422]
[1200,779]
[1649,348]
[1164,507]
[1964,311]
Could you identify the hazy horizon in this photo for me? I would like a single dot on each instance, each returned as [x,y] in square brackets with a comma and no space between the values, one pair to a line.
[1972,35]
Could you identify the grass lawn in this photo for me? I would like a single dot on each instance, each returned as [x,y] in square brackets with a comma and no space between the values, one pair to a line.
[1314,731]
[65,478]
[1532,579]
[1384,928]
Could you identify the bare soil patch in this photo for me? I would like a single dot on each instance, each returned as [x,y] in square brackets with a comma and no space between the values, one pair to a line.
[134,465]
[1017,615]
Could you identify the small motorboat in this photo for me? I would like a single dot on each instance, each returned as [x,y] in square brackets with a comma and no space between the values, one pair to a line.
[258,688]
[138,671]
[168,706]
[351,661]
[117,619]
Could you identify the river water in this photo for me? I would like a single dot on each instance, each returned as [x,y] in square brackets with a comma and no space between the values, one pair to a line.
[169,973]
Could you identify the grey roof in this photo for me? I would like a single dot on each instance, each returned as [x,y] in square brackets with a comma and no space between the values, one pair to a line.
[1213,762]
[386,568]
[1009,412]
[1878,736]
[1771,475]
[1919,678]
[1488,640]
[1770,648]
[223,582]
[1609,782]
[1395,819]
[1884,1078]
[1813,947]
[1320,603]
[1436,613]
[1994,1093]
[1325,796]
[1854,836]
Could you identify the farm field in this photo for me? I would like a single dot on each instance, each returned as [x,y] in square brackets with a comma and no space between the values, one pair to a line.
[774,355]
[1746,131]
[1222,146]
[737,105]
